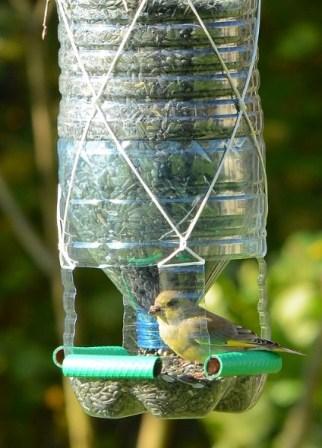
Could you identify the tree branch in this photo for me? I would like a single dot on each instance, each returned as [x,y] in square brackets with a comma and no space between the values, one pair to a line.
[299,420]
[153,432]
[24,232]
[31,14]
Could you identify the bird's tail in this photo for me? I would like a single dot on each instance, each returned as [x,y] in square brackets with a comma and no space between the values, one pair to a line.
[266,344]
[287,350]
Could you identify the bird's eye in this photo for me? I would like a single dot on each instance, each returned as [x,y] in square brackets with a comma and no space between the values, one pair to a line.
[173,302]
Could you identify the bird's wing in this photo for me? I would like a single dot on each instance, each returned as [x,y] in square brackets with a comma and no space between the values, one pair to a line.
[220,332]
[219,325]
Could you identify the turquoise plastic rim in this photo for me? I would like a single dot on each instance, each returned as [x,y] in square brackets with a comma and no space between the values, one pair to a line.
[59,352]
[246,363]
[106,363]
[112,367]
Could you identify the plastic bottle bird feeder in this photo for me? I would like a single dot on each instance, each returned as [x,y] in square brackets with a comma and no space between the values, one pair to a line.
[161,183]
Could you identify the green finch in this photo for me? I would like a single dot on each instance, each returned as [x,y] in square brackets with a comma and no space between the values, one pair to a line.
[194,333]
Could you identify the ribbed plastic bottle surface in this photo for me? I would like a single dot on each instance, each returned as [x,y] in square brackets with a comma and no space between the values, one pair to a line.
[171,107]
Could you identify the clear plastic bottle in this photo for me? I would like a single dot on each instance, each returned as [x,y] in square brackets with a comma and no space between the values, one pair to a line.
[172,108]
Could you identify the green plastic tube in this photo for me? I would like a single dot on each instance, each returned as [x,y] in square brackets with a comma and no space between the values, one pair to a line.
[59,352]
[100,350]
[112,367]
[247,363]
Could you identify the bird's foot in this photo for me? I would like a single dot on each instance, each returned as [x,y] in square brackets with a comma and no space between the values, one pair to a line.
[198,376]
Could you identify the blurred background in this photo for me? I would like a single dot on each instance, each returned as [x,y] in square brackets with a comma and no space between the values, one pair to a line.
[37,409]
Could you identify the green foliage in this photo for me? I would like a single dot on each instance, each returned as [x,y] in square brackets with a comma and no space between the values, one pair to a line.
[295,292]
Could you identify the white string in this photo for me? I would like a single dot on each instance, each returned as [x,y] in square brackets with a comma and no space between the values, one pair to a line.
[125,5]
[96,97]
[186,216]
[44,22]
[242,111]
[96,107]
[263,299]
[182,246]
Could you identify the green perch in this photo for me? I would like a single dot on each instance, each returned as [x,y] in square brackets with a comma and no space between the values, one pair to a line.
[115,363]
[251,362]
[108,363]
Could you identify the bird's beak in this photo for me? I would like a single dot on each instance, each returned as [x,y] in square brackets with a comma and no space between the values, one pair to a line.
[154,309]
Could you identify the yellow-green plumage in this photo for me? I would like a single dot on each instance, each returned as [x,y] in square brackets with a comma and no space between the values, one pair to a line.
[194,333]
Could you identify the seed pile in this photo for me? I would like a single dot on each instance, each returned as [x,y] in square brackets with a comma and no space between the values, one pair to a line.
[173,394]
[172,109]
